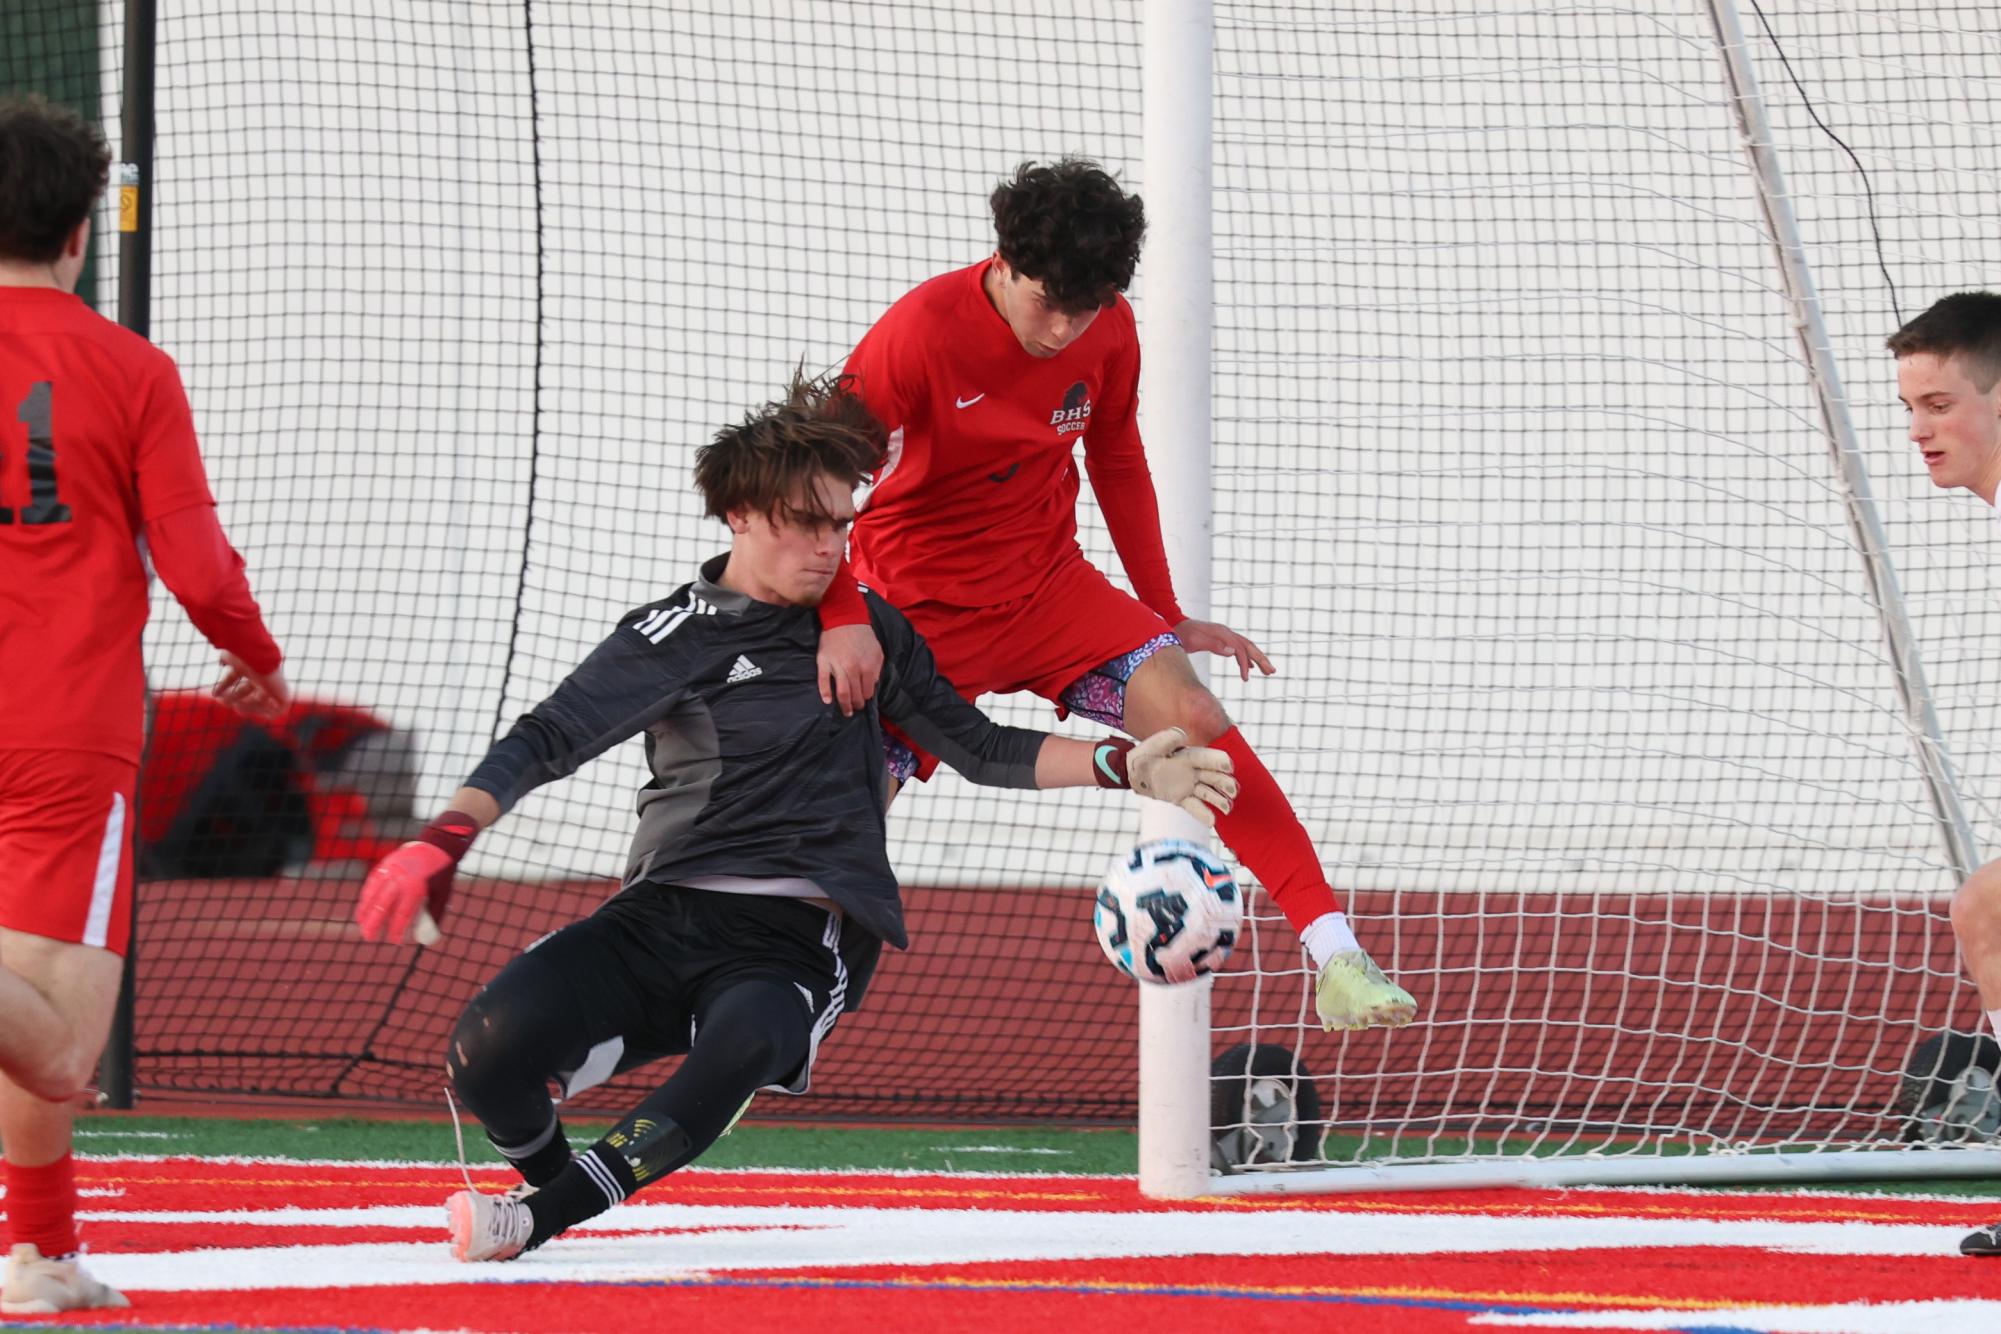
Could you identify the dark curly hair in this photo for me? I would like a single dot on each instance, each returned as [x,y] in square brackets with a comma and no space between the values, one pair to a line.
[53,166]
[767,462]
[1072,229]
[1968,323]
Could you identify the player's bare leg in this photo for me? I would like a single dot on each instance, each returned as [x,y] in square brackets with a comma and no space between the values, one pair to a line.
[57,1000]
[69,992]
[1351,992]
[1165,692]
[1976,923]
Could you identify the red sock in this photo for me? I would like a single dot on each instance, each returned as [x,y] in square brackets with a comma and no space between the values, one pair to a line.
[1268,838]
[41,1206]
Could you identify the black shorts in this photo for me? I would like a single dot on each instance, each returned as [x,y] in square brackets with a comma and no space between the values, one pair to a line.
[642,970]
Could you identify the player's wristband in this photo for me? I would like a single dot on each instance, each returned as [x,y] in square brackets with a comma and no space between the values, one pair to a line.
[452,833]
[1108,762]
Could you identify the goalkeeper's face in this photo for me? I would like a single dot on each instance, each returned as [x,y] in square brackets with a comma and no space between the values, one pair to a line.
[1041,327]
[1955,423]
[789,556]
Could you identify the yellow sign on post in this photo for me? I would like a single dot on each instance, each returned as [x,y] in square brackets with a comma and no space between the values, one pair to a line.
[128,196]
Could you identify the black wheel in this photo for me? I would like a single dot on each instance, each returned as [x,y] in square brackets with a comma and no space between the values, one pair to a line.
[1263,1108]
[1948,1090]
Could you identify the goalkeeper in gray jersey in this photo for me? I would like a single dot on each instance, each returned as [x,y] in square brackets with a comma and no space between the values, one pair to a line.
[758,892]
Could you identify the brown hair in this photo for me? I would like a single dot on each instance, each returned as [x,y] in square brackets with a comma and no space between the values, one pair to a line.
[767,462]
[53,165]
[1967,324]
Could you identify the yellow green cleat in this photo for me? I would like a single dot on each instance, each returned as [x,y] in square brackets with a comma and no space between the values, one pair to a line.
[1353,994]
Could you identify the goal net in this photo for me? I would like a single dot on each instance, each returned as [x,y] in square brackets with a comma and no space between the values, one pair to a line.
[1522,470]
[1519,475]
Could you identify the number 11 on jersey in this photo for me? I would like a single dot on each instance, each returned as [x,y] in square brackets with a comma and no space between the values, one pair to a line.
[37,413]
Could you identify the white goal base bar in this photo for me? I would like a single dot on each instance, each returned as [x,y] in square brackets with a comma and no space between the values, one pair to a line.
[1803,1169]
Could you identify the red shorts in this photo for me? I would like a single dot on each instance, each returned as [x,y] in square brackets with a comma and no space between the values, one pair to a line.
[66,844]
[1041,643]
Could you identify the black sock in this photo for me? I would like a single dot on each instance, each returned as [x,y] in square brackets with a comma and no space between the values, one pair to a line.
[594,1181]
[542,1159]
[752,1035]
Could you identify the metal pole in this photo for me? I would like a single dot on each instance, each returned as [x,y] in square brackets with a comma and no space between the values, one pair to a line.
[1179,46]
[1863,519]
[134,179]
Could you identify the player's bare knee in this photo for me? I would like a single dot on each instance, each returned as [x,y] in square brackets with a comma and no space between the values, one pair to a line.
[1200,714]
[1976,910]
[62,1079]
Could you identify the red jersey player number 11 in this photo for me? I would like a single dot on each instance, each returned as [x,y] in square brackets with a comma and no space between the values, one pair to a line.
[98,465]
[44,503]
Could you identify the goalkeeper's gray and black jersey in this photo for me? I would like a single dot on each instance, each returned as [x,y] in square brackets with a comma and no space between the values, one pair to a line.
[752,774]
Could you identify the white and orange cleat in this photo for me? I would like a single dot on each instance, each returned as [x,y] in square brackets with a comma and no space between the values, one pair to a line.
[487,1227]
[37,1285]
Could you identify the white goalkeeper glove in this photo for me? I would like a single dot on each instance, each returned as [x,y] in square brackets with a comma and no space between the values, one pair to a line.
[1166,768]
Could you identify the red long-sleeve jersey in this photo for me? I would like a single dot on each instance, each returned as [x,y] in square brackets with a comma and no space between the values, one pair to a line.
[977,500]
[97,447]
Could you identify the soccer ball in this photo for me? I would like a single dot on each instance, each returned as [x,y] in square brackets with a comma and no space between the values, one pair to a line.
[1168,911]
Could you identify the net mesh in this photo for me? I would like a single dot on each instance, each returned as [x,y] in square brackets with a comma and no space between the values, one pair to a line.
[457,290]
[1518,475]
[1522,471]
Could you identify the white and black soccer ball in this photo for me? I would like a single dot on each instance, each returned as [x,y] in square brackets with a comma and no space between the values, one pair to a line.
[1168,911]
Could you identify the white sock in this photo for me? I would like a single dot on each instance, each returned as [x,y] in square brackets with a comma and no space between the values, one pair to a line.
[1994,1022]
[1328,935]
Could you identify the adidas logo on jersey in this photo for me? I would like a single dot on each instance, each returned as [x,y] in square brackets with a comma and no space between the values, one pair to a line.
[742,670]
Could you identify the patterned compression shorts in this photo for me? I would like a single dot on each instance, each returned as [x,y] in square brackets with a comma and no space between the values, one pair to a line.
[1099,694]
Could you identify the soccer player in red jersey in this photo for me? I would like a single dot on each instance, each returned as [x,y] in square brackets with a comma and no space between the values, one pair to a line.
[988,377]
[97,456]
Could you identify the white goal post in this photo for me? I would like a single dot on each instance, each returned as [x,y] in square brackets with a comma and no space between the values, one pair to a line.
[1636,779]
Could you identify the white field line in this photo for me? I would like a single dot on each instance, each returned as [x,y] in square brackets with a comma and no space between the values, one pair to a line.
[1057,1177]
[777,1237]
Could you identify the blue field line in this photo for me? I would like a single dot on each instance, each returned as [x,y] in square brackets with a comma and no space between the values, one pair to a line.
[1102,1290]
[44,1325]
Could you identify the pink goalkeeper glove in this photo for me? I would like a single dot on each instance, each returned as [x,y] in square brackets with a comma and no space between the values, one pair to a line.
[406,893]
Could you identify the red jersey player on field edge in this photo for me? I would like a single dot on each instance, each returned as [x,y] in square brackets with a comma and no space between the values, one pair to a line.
[97,451]
[987,378]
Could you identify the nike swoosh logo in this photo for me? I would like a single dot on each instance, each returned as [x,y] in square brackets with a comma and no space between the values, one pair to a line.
[1003,476]
[968,402]
[1098,758]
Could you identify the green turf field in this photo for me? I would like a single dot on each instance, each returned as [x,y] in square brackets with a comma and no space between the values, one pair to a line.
[807,1148]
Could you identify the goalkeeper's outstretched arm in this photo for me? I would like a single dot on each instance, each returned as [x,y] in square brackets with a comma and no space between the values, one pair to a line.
[618,691]
[927,707]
